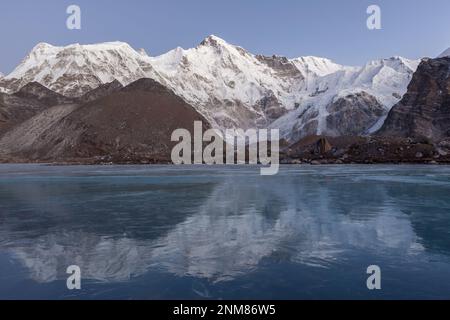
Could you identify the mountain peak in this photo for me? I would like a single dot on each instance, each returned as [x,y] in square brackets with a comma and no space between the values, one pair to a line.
[410,64]
[101,46]
[35,90]
[145,84]
[213,40]
[33,86]
[316,65]
[58,68]
[42,45]
[444,54]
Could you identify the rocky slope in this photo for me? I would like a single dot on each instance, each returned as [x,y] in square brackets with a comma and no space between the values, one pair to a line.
[353,114]
[230,86]
[424,111]
[36,91]
[131,125]
[365,150]
[27,102]
[100,92]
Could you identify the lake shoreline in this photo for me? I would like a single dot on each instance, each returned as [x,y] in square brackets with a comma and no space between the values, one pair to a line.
[323,162]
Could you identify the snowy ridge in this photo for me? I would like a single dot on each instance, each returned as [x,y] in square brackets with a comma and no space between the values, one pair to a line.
[76,69]
[230,86]
[444,54]
[318,67]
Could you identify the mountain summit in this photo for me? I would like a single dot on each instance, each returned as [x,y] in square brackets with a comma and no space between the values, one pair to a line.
[214,41]
[77,69]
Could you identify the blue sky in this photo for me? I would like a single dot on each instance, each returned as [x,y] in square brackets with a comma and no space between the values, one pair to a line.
[334,29]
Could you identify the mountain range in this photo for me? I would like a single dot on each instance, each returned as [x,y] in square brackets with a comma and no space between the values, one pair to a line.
[230,86]
[75,88]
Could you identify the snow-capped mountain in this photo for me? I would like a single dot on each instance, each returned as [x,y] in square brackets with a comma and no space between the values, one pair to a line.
[232,87]
[77,69]
[328,101]
[444,54]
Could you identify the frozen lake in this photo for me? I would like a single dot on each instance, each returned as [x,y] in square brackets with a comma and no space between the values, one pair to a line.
[166,232]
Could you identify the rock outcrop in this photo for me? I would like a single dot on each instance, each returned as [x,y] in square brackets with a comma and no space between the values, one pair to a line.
[424,111]
[30,100]
[353,114]
[102,91]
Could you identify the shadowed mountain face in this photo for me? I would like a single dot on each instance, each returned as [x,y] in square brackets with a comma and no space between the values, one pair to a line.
[30,100]
[425,109]
[353,114]
[43,95]
[102,91]
[133,124]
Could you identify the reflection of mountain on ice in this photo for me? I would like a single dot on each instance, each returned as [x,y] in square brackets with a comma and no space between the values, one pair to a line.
[235,228]
[100,258]
[219,243]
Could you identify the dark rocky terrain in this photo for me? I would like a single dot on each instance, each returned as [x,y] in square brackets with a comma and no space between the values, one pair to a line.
[101,91]
[26,103]
[366,150]
[353,114]
[131,125]
[424,111]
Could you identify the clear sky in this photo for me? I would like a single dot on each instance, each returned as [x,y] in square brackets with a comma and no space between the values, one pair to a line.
[335,29]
